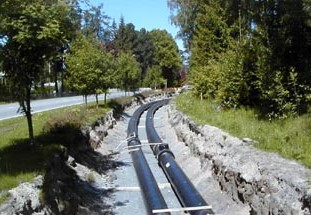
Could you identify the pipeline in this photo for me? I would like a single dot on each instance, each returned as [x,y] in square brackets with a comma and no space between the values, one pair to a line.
[184,189]
[151,193]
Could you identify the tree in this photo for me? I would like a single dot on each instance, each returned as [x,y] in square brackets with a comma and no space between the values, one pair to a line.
[31,32]
[95,23]
[125,37]
[166,55]
[71,24]
[211,36]
[144,51]
[183,15]
[89,67]
[127,72]
[154,77]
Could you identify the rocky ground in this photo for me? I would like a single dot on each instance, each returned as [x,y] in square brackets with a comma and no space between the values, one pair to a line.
[264,181]
[232,175]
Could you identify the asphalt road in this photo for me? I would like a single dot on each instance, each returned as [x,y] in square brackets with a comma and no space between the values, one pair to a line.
[8,111]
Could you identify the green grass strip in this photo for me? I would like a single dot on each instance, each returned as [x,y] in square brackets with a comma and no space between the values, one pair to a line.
[291,138]
[20,162]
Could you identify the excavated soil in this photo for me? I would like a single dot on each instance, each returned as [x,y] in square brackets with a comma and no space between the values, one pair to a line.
[266,182]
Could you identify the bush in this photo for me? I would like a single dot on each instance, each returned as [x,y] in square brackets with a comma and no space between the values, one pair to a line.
[65,129]
[72,119]
[284,96]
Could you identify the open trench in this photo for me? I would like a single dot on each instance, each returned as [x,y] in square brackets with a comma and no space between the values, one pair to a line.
[128,196]
[233,177]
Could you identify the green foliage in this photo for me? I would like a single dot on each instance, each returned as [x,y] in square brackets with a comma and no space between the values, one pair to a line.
[125,37]
[95,23]
[144,51]
[73,119]
[127,72]
[183,15]
[90,69]
[285,98]
[155,48]
[153,78]
[253,54]
[4,197]
[289,137]
[204,80]
[166,55]
[32,31]
[211,37]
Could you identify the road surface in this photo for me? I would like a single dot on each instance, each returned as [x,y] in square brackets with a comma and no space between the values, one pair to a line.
[8,111]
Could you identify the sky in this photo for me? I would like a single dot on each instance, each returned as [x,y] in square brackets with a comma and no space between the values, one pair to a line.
[148,14]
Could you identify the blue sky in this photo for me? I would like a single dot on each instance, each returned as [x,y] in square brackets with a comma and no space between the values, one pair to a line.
[149,14]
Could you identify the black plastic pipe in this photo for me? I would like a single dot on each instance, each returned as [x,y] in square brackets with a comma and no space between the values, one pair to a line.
[184,189]
[152,195]
[152,134]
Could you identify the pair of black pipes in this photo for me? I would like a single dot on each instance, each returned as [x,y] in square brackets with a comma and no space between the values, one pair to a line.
[184,189]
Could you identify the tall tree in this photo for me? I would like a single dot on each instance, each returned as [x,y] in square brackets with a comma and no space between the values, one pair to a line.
[144,51]
[211,36]
[127,72]
[125,37]
[95,23]
[71,24]
[183,15]
[31,32]
[166,55]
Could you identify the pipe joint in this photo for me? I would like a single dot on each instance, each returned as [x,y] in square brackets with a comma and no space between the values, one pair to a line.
[160,153]
[133,141]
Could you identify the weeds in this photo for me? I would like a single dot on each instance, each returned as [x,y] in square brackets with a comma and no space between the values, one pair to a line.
[90,178]
[4,197]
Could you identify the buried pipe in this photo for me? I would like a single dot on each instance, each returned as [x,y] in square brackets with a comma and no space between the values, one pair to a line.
[187,194]
[153,198]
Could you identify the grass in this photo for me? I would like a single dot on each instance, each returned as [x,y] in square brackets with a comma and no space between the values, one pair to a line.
[90,178]
[290,137]
[4,197]
[20,162]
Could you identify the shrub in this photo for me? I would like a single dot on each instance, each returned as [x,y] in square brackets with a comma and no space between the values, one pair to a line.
[70,119]
[284,96]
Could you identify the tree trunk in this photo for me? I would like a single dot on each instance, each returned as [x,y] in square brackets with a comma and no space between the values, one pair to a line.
[25,105]
[85,99]
[105,97]
[55,77]
[62,88]
[30,127]
[96,96]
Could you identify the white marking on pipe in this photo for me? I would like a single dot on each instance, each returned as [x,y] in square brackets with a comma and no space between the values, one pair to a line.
[181,209]
[135,188]
[167,165]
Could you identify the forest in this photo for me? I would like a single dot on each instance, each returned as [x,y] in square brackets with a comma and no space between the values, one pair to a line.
[253,54]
